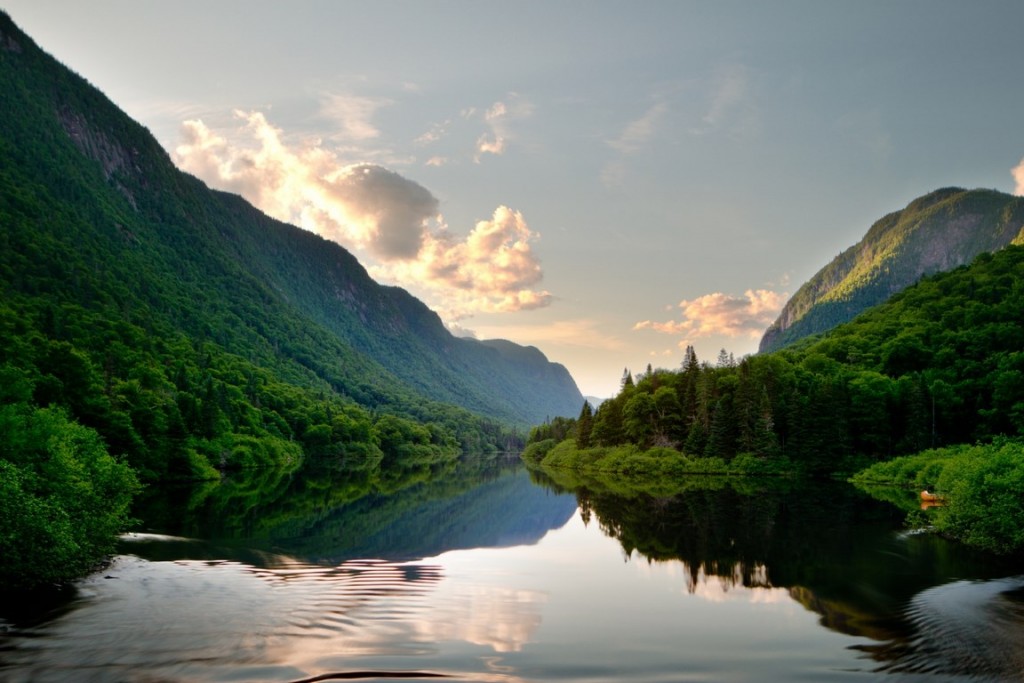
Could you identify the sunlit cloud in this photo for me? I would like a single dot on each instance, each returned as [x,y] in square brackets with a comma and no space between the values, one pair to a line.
[492,270]
[367,207]
[489,144]
[436,133]
[1018,177]
[498,120]
[503,619]
[722,314]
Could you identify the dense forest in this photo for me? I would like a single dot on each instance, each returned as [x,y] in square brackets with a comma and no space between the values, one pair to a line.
[153,329]
[940,363]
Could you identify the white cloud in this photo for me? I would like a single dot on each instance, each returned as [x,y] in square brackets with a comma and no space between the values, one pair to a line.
[722,314]
[365,206]
[1018,177]
[459,331]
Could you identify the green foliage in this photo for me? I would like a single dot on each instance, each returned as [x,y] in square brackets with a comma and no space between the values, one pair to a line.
[657,462]
[980,485]
[193,332]
[938,232]
[939,364]
[535,451]
[63,498]
[186,334]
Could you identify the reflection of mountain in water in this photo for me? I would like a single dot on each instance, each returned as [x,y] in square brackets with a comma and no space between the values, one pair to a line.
[477,504]
[503,512]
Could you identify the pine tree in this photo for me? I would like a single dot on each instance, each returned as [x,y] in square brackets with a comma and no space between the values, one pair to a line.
[584,426]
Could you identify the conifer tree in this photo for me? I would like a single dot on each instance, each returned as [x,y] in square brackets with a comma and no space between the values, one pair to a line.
[584,426]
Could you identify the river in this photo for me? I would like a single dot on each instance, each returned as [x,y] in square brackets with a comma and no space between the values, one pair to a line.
[487,572]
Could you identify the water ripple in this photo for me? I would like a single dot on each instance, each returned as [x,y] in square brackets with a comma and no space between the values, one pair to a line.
[972,629]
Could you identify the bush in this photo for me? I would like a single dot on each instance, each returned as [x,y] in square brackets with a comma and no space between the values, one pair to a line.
[63,498]
[982,486]
[537,450]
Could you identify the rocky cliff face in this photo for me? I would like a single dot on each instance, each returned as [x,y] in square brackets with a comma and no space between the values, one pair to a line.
[937,232]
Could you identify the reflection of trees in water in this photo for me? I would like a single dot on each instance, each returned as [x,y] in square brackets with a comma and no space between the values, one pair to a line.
[837,551]
[778,533]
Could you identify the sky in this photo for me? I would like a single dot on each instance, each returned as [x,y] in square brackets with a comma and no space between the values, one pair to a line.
[606,181]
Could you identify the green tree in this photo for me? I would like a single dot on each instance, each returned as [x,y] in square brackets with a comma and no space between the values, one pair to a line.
[638,418]
[584,425]
[63,498]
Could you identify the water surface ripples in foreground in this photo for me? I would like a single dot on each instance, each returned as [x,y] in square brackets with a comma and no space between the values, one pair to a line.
[529,583]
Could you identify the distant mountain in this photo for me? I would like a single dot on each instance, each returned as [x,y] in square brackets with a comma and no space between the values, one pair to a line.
[95,220]
[934,233]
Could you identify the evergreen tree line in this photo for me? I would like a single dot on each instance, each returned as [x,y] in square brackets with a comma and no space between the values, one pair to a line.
[941,363]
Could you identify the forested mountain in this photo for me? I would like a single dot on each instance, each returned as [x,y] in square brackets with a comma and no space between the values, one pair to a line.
[937,232]
[98,229]
[939,363]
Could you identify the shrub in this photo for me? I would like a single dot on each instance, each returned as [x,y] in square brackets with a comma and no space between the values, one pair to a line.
[63,498]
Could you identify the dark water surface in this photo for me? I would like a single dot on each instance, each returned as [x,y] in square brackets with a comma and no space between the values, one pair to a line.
[486,572]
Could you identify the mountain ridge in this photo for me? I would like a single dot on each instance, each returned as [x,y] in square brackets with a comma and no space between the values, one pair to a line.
[194,254]
[936,232]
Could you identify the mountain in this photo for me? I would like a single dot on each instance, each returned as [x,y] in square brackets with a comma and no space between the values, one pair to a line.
[934,233]
[97,223]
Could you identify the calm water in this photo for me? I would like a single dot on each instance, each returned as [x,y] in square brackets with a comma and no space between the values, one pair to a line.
[485,572]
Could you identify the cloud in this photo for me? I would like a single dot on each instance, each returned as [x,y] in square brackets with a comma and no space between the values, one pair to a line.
[353,114]
[723,314]
[639,131]
[730,105]
[367,207]
[459,331]
[1018,177]
[489,144]
[393,212]
[498,118]
[729,91]
[492,270]
[632,139]
[436,133]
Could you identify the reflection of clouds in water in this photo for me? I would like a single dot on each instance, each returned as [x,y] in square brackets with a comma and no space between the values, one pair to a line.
[217,620]
[503,619]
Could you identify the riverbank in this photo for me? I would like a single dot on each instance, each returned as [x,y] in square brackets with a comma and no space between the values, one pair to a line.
[981,488]
[654,462]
